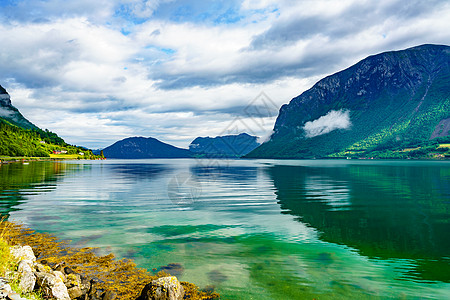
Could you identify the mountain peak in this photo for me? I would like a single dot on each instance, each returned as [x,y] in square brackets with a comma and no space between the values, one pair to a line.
[144,147]
[224,146]
[396,97]
[5,99]
[11,114]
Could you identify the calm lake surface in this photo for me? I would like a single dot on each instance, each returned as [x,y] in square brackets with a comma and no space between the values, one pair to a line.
[258,229]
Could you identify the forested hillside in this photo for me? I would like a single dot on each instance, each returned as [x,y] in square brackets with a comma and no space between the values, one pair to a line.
[21,138]
[19,142]
[391,105]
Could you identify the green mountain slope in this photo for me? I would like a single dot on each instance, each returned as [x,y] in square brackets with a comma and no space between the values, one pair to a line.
[394,104]
[19,137]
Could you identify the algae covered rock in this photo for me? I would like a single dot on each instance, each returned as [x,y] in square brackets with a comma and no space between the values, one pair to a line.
[108,295]
[52,285]
[96,291]
[164,288]
[75,292]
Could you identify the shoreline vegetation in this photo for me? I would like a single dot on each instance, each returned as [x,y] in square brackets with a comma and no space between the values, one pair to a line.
[62,157]
[111,277]
[16,141]
[53,157]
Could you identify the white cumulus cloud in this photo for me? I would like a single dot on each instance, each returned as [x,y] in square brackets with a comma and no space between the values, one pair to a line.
[334,119]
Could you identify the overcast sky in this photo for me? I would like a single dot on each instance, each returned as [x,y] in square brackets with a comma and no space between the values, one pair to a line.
[96,71]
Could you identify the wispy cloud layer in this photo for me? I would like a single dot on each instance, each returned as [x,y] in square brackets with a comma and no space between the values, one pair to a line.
[97,71]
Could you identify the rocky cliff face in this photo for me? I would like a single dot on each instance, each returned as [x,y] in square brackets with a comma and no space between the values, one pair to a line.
[11,114]
[394,98]
[5,100]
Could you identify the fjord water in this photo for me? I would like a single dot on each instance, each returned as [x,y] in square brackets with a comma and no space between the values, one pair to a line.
[253,229]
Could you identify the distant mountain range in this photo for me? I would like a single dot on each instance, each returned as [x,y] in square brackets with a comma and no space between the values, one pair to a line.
[230,146]
[141,147]
[224,146]
[394,104]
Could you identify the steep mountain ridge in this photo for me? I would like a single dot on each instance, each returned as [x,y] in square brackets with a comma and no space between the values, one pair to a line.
[21,138]
[11,114]
[392,100]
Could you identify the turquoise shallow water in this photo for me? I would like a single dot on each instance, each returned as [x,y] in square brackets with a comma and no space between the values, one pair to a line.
[256,229]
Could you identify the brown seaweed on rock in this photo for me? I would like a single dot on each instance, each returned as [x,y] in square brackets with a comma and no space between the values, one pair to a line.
[121,277]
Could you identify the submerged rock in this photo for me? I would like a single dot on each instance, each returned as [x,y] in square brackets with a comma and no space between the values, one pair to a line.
[96,292]
[108,295]
[164,288]
[174,269]
[217,276]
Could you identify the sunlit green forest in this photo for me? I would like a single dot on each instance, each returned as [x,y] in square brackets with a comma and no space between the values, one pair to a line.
[20,142]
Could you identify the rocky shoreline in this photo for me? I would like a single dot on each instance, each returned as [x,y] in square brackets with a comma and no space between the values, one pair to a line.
[57,271]
[56,281]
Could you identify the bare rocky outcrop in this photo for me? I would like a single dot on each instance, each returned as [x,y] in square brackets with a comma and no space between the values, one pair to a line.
[27,277]
[23,253]
[55,281]
[51,284]
[11,113]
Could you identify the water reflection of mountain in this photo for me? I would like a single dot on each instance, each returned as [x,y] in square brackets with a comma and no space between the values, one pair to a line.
[18,180]
[383,211]
[225,172]
[138,170]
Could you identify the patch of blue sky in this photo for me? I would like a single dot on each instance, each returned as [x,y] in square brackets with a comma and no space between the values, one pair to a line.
[125,30]
[6,3]
[214,12]
[129,20]
[153,56]
[167,51]
[264,13]
[126,12]
[231,16]
[195,11]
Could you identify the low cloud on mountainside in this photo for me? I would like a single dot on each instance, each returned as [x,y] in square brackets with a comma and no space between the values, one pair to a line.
[265,138]
[334,119]
[5,113]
